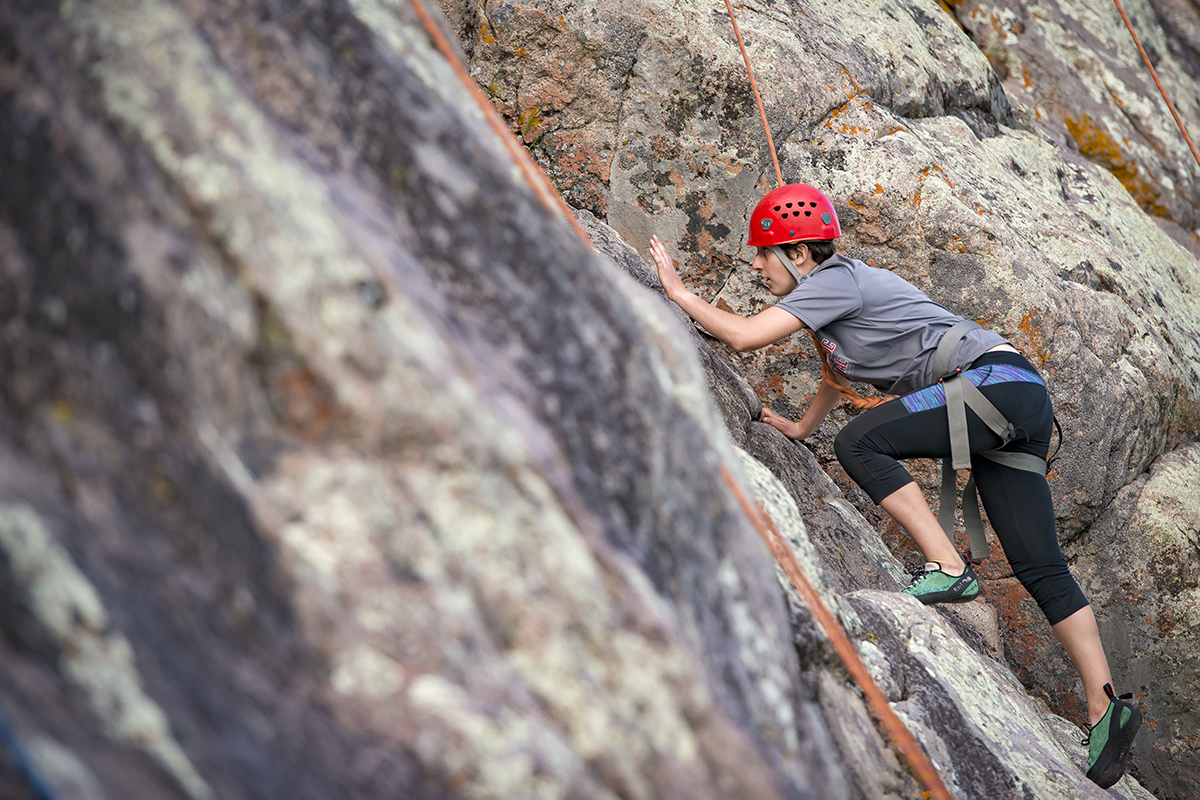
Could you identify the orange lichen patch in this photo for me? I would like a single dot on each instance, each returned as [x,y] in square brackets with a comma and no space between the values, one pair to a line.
[774,385]
[857,90]
[736,168]
[529,122]
[1035,339]
[581,170]
[677,181]
[878,189]
[943,174]
[664,147]
[842,127]
[1098,145]
[486,36]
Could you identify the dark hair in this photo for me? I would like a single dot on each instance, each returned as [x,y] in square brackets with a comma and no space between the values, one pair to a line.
[821,249]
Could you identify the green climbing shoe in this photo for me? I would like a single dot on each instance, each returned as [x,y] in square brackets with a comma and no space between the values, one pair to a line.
[1109,740]
[931,585]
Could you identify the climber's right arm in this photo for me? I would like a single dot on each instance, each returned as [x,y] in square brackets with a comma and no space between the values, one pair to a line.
[740,333]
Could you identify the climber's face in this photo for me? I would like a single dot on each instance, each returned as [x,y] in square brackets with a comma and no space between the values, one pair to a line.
[774,274]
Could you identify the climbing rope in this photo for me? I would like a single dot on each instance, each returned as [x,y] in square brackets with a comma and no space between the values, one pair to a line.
[855,400]
[533,173]
[1157,82]
[899,735]
[757,98]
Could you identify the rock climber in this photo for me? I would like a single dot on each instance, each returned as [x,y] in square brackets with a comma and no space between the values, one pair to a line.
[877,328]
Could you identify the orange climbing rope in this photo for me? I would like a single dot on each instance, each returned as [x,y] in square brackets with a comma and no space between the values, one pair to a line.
[533,173]
[855,400]
[757,98]
[900,736]
[1157,82]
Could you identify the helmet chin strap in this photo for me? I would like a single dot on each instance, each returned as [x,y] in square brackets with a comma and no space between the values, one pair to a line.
[787,262]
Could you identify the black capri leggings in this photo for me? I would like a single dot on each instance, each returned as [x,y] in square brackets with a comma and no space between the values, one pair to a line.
[1017,502]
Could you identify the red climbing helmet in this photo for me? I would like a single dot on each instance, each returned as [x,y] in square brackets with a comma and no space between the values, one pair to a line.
[793,213]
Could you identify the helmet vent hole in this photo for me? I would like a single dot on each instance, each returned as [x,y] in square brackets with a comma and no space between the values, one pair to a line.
[814,205]
[808,213]
[784,215]
[789,205]
[778,207]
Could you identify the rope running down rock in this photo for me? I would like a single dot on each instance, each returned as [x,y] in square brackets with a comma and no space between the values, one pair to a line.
[1154,75]
[533,173]
[900,736]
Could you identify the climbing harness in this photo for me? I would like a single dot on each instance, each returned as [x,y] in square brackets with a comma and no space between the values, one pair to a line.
[1157,82]
[961,394]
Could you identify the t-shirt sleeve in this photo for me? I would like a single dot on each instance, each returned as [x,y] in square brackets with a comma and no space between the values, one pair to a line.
[826,297]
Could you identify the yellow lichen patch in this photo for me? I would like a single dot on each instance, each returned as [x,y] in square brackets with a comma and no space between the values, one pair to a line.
[528,122]
[1098,145]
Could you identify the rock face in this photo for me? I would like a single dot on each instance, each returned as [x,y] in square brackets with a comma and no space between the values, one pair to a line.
[310,494]
[333,464]
[1078,68]
[1013,160]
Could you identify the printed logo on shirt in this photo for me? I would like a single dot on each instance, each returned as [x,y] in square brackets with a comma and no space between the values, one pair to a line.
[838,363]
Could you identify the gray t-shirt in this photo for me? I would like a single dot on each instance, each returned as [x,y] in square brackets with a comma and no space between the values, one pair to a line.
[877,327]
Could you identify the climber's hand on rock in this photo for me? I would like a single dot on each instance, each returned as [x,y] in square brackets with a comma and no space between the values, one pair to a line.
[667,275]
[784,425]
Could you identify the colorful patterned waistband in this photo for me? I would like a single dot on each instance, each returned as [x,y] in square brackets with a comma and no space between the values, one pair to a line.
[932,397]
